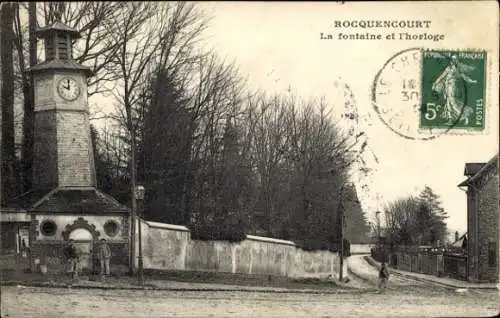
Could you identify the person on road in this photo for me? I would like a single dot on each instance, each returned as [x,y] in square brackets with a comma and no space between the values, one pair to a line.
[72,256]
[383,277]
[104,254]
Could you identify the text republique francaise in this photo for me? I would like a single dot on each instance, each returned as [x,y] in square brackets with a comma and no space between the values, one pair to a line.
[405,30]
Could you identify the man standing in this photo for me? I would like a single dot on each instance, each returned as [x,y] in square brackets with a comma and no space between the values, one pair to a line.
[72,255]
[383,277]
[104,254]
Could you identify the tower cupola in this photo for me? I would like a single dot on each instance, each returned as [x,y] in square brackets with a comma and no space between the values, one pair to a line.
[58,39]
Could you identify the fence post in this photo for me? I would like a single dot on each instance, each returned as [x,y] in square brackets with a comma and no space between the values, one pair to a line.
[420,260]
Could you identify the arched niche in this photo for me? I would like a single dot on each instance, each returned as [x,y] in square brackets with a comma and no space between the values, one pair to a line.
[81,234]
[80,224]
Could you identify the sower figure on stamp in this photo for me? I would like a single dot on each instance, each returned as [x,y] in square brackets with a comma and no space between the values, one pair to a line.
[104,254]
[448,84]
[383,277]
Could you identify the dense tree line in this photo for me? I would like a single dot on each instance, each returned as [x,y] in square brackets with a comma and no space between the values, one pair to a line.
[416,220]
[212,155]
[230,163]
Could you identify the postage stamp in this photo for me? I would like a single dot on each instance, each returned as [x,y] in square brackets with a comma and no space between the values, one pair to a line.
[453,89]
[423,94]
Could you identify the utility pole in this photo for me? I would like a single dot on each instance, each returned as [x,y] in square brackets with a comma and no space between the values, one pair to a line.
[379,238]
[132,232]
[139,193]
[341,274]
[341,249]
[28,119]
[133,184]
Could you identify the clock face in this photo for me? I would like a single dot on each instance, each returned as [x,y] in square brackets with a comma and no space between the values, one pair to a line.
[68,88]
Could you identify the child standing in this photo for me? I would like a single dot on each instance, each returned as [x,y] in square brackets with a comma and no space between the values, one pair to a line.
[383,277]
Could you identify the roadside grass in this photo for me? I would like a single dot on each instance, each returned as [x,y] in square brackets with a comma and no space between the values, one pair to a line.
[194,277]
[243,279]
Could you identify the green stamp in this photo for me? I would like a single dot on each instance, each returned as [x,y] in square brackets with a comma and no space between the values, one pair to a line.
[453,90]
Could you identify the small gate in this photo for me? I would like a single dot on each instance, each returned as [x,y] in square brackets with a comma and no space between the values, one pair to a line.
[455,265]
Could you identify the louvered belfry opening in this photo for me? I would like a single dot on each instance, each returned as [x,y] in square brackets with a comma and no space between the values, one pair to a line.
[58,39]
[58,46]
[50,52]
[63,46]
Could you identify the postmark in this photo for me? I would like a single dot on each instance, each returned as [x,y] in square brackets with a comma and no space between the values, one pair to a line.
[423,94]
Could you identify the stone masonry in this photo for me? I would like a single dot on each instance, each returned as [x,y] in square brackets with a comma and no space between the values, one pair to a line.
[482,223]
[487,214]
[62,146]
[74,149]
[45,142]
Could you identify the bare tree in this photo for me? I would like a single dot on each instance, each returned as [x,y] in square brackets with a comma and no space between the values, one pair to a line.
[213,104]
[113,144]
[93,20]
[26,86]
[111,159]
[270,147]
[90,18]
[151,36]
[416,220]
[9,169]
[400,221]
[301,161]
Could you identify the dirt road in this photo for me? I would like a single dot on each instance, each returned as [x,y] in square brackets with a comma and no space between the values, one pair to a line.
[57,302]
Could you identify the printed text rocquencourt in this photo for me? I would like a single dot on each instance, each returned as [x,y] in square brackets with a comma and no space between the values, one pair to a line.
[385,24]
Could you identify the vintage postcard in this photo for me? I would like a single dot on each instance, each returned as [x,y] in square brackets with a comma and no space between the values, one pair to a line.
[249,159]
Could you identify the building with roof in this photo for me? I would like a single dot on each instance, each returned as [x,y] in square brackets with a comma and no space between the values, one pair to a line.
[64,202]
[483,220]
[460,244]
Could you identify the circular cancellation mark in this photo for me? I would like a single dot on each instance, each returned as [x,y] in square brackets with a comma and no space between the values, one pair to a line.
[397,98]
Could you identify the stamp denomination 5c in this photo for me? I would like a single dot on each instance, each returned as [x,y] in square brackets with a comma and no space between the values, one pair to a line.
[453,89]
[422,94]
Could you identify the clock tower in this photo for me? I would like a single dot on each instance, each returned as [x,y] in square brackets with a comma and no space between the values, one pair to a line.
[63,155]
[64,202]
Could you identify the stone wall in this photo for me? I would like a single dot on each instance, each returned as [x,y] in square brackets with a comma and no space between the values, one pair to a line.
[361,248]
[164,245]
[488,234]
[483,227]
[169,247]
[312,263]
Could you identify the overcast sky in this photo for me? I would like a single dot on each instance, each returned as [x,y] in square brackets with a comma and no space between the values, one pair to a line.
[277,46]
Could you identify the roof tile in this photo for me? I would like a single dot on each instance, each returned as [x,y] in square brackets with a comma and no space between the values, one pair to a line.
[84,200]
